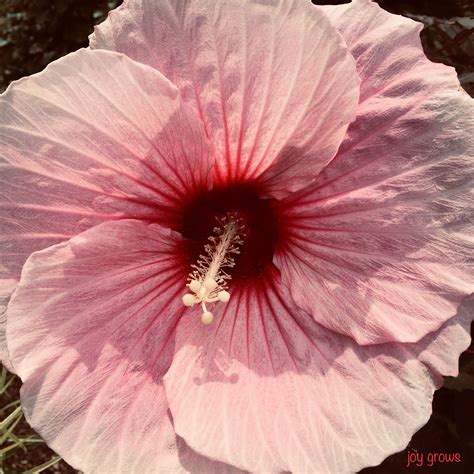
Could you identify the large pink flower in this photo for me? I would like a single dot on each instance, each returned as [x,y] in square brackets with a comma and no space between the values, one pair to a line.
[230,119]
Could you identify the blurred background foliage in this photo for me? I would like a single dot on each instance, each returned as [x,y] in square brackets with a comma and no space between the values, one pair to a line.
[36,32]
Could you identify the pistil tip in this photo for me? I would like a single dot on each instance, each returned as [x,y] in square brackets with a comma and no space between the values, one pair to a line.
[194,286]
[207,317]
[223,296]
[210,284]
[189,300]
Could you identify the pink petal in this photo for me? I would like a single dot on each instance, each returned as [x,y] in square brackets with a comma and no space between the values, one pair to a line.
[91,333]
[92,138]
[274,83]
[379,248]
[7,287]
[269,390]
[195,463]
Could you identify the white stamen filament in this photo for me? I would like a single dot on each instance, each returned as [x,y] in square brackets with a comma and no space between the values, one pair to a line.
[208,281]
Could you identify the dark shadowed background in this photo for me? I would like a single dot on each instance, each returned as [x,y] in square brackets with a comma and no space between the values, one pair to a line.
[35,32]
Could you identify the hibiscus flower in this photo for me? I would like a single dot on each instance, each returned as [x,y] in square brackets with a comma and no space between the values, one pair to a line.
[237,238]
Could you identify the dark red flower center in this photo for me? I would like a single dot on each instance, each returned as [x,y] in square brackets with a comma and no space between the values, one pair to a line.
[258,216]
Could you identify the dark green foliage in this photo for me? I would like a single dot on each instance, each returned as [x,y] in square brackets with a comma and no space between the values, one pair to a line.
[35,32]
